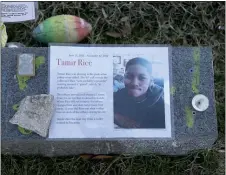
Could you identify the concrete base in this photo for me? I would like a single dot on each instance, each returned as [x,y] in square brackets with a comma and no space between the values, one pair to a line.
[187,137]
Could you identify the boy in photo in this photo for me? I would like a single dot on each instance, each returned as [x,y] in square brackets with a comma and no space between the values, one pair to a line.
[140,104]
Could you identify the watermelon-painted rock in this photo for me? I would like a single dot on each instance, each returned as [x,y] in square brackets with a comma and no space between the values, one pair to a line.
[62,29]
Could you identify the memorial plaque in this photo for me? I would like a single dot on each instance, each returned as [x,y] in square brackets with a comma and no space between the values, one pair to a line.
[87,106]
[172,88]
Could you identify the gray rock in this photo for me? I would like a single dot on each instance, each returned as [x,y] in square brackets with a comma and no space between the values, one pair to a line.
[35,113]
[14,45]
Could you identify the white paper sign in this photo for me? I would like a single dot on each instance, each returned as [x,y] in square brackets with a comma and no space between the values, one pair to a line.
[17,11]
[97,97]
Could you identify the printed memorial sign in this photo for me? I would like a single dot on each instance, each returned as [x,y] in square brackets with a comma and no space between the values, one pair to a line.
[110,92]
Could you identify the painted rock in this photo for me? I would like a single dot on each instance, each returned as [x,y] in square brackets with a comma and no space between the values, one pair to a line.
[62,29]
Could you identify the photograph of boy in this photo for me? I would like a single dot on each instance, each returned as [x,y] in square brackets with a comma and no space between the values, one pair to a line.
[140,103]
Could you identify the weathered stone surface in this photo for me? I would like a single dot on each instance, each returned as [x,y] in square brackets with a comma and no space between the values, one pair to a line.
[188,136]
[35,113]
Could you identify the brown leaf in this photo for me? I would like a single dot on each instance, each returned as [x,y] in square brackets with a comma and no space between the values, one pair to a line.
[86,156]
[114,34]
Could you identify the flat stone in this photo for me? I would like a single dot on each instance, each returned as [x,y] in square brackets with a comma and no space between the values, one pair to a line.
[26,66]
[35,113]
[187,136]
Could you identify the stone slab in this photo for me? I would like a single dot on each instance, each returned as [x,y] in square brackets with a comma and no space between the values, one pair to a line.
[35,113]
[188,135]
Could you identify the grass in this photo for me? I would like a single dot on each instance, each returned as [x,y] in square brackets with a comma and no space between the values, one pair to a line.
[204,162]
[176,23]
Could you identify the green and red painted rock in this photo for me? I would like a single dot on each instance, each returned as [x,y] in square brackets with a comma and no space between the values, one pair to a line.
[62,29]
